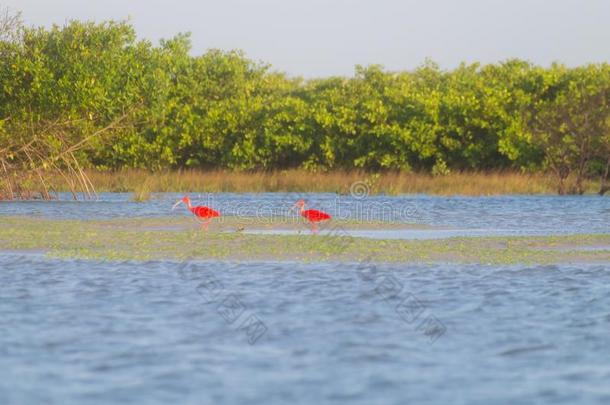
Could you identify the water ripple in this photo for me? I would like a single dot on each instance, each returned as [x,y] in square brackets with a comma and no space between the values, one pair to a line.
[87,332]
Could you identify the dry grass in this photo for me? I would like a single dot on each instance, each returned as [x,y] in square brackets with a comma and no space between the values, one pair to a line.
[43,160]
[467,183]
[141,191]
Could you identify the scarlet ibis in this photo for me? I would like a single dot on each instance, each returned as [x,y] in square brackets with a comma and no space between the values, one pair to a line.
[313,216]
[200,211]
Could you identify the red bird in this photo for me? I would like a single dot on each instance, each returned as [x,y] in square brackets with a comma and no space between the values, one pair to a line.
[313,216]
[202,212]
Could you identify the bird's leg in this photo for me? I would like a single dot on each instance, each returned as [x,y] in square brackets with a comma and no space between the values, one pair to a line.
[314,228]
[205,224]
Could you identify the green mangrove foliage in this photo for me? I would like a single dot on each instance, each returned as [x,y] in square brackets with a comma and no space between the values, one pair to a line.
[164,108]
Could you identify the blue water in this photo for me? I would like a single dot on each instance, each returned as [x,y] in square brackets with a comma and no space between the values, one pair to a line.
[88,332]
[501,215]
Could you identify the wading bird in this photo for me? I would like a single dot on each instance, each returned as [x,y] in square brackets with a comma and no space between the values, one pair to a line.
[313,216]
[205,214]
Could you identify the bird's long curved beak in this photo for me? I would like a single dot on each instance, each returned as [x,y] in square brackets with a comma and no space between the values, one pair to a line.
[177,204]
[292,208]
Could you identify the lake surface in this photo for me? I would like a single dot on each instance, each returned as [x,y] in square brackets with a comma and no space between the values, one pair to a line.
[79,331]
[511,215]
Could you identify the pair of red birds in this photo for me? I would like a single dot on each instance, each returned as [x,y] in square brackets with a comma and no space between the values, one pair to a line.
[206,213]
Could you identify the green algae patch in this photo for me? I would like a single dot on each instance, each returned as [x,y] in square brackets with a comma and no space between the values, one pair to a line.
[180,238]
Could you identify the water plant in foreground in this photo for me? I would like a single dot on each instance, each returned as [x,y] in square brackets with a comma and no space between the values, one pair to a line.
[162,239]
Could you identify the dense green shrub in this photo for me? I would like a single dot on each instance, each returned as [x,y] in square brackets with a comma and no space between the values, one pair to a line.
[221,110]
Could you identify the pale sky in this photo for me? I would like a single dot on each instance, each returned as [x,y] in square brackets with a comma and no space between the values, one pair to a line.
[329,37]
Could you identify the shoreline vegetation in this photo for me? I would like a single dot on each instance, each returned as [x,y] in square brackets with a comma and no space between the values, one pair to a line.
[88,97]
[142,183]
[178,239]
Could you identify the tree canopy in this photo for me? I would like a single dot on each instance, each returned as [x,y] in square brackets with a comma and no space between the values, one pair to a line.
[223,110]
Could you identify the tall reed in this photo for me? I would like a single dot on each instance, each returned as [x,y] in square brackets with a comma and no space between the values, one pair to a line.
[392,183]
